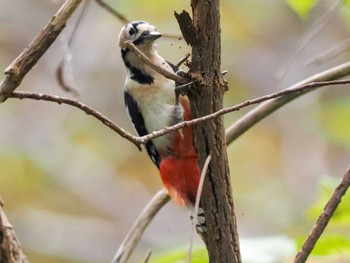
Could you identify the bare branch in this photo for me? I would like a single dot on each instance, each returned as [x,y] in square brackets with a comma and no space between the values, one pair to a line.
[10,248]
[72,102]
[153,65]
[264,110]
[324,218]
[15,73]
[134,235]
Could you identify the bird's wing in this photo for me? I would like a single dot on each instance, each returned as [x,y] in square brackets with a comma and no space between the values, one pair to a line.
[139,124]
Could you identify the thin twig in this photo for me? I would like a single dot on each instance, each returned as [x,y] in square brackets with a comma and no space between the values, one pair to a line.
[72,102]
[196,206]
[148,256]
[15,73]
[184,59]
[265,109]
[323,219]
[330,53]
[135,233]
[65,79]
[153,65]
[114,12]
[295,91]
[306,38]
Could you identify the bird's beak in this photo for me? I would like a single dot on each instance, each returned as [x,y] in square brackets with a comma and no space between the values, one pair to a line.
[150,36]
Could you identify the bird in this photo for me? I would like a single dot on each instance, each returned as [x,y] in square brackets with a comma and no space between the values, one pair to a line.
[152,104]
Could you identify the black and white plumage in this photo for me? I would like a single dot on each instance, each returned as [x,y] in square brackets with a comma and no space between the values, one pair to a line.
[149,96]
[151,104]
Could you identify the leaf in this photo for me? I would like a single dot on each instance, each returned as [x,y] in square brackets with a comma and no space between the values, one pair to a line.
[263,249]
[21,180]
[342,213]
[331,244]
[335,119]
[344,11]
[346,3]
[336,239]
[199,255]
[302,7]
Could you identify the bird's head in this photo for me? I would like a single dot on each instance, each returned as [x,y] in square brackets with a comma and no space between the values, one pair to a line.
[140,33]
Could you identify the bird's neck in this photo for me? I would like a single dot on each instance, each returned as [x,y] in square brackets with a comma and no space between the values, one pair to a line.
[138,70]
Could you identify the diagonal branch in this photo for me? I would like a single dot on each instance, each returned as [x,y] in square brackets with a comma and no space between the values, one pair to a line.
[10,248]
[134,235]
[111,10]
[318,25]
[264,110]
[324,218]
[15,73]
[330,53]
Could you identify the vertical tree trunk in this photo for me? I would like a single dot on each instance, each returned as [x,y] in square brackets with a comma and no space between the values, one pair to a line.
[222,240]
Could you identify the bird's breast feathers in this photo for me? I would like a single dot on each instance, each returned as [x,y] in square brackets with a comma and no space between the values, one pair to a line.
[156,103]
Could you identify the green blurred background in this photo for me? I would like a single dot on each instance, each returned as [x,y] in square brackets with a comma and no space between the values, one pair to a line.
[72,187]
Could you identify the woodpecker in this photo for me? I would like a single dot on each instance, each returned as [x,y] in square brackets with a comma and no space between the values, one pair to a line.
[152,104]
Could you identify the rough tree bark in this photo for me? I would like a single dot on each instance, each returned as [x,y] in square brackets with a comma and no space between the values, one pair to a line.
[10,248]
[203,34]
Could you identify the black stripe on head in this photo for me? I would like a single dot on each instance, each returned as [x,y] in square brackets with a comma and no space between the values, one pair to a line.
[140,39]
[136,23]
[133,30]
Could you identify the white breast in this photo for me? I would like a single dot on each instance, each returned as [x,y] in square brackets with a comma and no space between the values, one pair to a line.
[156,102]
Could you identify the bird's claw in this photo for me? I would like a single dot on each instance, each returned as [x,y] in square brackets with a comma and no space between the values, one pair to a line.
[181,90]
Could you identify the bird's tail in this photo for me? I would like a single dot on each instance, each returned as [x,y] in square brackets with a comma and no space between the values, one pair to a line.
[200,223]
[181,177]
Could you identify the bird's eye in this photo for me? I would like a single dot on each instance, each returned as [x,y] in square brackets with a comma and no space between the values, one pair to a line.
[132,31]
